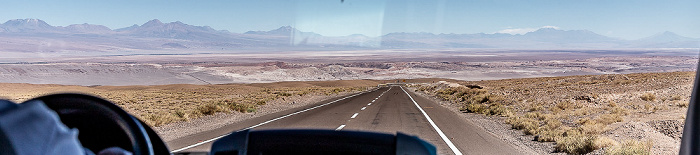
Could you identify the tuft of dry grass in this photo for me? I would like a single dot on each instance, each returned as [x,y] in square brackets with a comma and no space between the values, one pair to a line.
[648,97]
[605,142]
[576,144]
[631,147]
[682,104]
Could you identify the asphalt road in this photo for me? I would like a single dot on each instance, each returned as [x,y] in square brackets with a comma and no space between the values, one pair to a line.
[387,110]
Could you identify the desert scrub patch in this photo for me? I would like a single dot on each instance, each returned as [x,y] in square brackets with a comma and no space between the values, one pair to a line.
[631,147]
[609,118]
[564,105]
[682,104]
[487,109]
[283,93]
[209,109]
[528,125]
[648,97]
[160,119]
[576,144]
[605,142]
[675,98]
[182,114]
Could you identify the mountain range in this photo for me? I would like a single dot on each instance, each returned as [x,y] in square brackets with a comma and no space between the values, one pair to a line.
[34,35]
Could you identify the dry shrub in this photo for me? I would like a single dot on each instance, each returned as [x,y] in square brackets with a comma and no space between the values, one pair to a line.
[487,109]
[209,109]
[160,119]
[682,104]
[592,128]
[605,142]
[619,111]
[538,115]
[675,98]
[182,114]
[607,119]
[576,144]
[552,123]
[528,125]
[631,147]
[550,131]
[650,108]
[648,97]
[535,107]
[547,135]
[584,111]
[564,105]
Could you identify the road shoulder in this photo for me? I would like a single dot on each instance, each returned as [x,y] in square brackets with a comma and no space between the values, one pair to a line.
[493,125]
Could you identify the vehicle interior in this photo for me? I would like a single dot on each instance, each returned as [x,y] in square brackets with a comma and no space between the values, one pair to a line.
[103,124]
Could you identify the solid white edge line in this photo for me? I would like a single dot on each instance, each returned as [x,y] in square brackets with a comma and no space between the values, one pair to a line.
[340,127]
[442,135]
[269,121]
[354,115]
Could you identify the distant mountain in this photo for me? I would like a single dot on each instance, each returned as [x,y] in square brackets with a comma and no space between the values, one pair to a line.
[88,28]
[541,38]
[156,35]
[26,25]
[666,37]
[132,27]
[177,30]
[667,40]
[283,31]
[564,36]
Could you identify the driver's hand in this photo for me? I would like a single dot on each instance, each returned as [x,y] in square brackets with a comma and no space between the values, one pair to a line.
[31,128]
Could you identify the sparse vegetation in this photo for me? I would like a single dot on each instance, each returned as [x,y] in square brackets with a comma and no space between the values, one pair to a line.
[576,144]
[648,97]
[160,105]
[572,111]
[631,147]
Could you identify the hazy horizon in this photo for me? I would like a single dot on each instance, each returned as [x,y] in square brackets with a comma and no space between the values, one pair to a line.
[618,19]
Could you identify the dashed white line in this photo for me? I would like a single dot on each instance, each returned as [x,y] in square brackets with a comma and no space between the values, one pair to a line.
[354,115]
[442,135]
[369,104]
[363,108]
[340,127]
[263,123]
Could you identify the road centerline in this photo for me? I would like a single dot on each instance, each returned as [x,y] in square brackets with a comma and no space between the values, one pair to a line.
[340,127]
[354,115]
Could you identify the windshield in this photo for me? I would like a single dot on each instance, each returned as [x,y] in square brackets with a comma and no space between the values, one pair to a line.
[493,77]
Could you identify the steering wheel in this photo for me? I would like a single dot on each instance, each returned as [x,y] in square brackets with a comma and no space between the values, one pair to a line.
[101,124]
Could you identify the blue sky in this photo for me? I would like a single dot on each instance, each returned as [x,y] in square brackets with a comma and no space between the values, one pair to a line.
[627,19]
